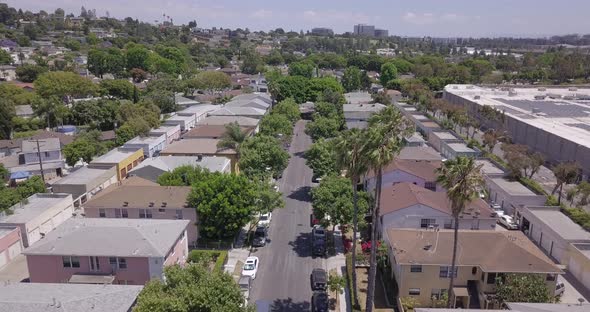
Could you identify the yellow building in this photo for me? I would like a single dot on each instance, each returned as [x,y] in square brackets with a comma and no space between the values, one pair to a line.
[421,264]
[123,159]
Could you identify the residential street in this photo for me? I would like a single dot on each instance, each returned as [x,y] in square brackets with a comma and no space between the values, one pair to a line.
[286,262]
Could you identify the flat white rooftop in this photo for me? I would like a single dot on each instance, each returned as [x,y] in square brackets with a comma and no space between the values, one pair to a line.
[34,206]
[114,156]
[445,135]
[564,112]
[460,147]
[560,223]
[513,187]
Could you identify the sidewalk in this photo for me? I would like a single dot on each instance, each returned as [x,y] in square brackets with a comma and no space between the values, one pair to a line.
[338,262]
[238,253]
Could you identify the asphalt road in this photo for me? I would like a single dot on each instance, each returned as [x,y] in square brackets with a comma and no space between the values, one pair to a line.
[286,262]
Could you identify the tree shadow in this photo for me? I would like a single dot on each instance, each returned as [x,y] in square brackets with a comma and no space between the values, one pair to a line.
[287,305]
[302,245]
[300,154]
[301,194]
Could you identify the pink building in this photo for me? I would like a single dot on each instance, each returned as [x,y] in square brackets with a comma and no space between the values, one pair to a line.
[10,244]
[417,172]
[143,199]
[108,251]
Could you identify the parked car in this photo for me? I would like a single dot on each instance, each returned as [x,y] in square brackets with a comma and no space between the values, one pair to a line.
[318,247]
[251,267]
[319,279]
[264,219]
[559,289]
[497,209]
[260,237]
[245,283]
[508,222]
[319,301]
[316,179]
[318,232]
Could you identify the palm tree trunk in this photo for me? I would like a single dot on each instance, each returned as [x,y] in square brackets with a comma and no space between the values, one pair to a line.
[354,230]
[374,233]
[453,262]
[559,195]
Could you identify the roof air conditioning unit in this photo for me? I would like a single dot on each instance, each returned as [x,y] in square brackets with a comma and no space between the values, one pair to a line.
[542,89]
[477,97]
[573,89]
[125,204]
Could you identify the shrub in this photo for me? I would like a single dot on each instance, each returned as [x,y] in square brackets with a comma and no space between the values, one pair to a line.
[208,257]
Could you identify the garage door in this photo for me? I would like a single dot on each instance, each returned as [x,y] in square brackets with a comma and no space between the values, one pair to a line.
[14,250]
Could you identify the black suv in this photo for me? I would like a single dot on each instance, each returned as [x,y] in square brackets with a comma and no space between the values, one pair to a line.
[260,237]
[318,247]
[319,301]
[319,279]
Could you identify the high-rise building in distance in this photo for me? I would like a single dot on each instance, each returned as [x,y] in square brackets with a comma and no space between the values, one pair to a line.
[364,30]
[321,31]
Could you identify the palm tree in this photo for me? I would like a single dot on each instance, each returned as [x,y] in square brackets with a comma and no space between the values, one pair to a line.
[384,140]
[232,138]
[462,179]
[565,173]
[349,156]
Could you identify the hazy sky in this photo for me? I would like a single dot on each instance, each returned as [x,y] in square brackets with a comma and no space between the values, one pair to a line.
[446,18]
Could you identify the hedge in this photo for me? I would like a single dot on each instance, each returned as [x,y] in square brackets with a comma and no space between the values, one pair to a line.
[220,257]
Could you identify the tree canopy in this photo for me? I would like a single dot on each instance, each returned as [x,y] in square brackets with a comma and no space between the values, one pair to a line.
[262,156]
[333,203]
[523,288]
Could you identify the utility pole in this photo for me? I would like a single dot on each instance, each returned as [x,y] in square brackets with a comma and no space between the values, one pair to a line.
[40,161]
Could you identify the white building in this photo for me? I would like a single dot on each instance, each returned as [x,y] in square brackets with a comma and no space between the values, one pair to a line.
[38,215]
[151,145]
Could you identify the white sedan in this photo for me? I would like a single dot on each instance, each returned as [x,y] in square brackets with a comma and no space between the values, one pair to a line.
[251,267]
[508,222]
[264,219]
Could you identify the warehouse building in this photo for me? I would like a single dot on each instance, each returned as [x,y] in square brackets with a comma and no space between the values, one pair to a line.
[552,121]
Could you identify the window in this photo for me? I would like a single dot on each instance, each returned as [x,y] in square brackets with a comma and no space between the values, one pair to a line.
[145,213]
[124,213]
[113,262]
[94,264]
[122,263]
[445,271]
[430,186]
[71,262]
[102,213]
[148,213]
[414,292]
[47,154]
[416,268]
[426,223]
[438,294]
[129,167]
[117,213]
[178,213]
[448,224]
[161,210]
[491,278]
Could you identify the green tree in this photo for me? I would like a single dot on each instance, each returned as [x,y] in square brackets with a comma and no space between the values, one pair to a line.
[295,87]
[31,186]
[118,88]
[224,202]
[384,141]
[267,198]
[191,288]
[322,127]
[137,57]
[336,283]
[276,125]
[565,173]
[262,156]
[72,44]
[288,108]
[63,84]
[124,134]
[332,201]
[233,138]
[29,73]
[183,176]
[351,80]
[318,86]
[252,63]
[402,65]
[79,149]
[210,81]
[388,73]
[7,114]
[5,58]
[4,174]
[304,69]
[349,151]
[321,158]
[523,288]
[463,180]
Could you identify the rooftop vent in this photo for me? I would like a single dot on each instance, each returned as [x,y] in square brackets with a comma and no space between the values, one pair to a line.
[573,89]
[151,204]
[199,157]
[477,97]
[164,204]
[125,204]
[542,89]
[427,247]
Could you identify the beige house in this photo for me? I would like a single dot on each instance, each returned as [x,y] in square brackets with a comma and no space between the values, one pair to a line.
[137,198]
[421,264]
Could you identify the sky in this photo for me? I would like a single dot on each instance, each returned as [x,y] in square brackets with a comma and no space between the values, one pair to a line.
[438,18]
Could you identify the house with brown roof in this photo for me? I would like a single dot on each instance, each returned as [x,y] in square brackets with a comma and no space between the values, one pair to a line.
[201,147]
[137,199]
[418,172]
[421,264]
[406,205]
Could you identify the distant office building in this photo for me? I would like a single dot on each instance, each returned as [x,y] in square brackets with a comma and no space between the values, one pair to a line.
[320,31]
[381,33]
[364,30]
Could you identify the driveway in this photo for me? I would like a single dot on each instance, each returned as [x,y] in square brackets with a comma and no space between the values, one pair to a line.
[286,262]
